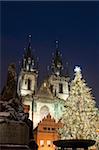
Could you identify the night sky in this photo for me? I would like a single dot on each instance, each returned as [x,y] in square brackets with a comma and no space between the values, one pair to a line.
[74,24]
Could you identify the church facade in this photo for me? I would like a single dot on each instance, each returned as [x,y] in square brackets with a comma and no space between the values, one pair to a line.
[53,92]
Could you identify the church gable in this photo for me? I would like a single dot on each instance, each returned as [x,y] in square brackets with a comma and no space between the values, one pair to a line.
[44,91]
[47,126]
[47,120]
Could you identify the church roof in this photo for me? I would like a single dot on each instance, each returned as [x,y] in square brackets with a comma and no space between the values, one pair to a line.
[48,122]
[44,91]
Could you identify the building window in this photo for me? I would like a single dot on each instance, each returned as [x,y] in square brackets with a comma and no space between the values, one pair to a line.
[51,88]
[55,107]
[42,143]
[55,92]
[29,84]
[49,129]
[61,108]
[44,111]
[48,143]
[60,88]
[29,67]
[45,128]
[53,129]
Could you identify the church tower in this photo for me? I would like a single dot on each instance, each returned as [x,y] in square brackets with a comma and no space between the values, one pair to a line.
[58,83]
[27,81]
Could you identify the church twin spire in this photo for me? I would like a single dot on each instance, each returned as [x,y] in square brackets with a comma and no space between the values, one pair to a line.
[29,63]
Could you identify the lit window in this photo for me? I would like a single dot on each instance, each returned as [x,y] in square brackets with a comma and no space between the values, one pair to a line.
[48,143]
[42,143]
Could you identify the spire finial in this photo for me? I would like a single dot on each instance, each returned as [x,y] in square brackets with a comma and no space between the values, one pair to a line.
[29,38]
[57,61]
[67,69]
[57,44]
[29,41]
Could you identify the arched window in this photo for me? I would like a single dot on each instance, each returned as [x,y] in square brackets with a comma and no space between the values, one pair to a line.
[44,111]
[60,88]
[29,84]
[51,88]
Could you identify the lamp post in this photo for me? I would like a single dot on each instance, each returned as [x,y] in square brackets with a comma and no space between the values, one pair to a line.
[32,144]
[33,112]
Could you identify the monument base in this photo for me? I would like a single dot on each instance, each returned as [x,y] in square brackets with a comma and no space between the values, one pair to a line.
[13,147]
[14,135]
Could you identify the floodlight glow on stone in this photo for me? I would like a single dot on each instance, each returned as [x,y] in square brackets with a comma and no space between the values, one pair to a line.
[77,69]
[44,84]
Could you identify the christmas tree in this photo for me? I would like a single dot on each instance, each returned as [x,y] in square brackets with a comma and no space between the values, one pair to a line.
[80,117]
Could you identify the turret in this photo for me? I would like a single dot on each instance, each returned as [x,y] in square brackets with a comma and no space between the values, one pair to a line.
[28,61]
[59,83]
[27,81]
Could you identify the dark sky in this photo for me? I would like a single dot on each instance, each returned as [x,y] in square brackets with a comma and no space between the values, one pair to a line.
[74,24]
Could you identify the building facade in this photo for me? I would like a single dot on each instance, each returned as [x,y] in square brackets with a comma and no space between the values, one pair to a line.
[53,92]
[46,132]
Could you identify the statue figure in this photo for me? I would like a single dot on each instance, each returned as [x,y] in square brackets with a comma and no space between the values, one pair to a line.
[10,102]
[12,115]
[9,91]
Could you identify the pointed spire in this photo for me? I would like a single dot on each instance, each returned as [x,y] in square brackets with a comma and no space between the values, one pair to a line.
[67,69]
[30,38]
[28,51]
[29,41]
[57,61]
[28,61]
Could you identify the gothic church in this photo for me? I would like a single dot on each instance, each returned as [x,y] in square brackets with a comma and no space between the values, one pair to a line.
[53,92]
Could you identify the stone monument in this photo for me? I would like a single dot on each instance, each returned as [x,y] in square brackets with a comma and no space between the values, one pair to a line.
[14,123]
